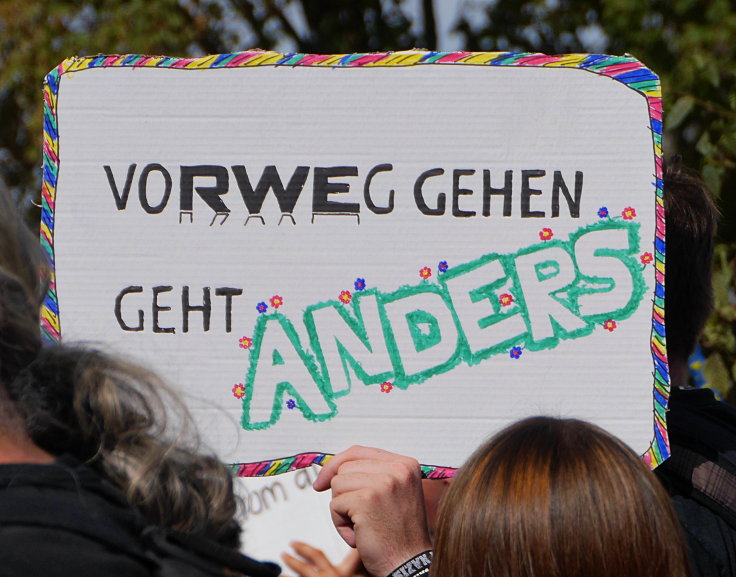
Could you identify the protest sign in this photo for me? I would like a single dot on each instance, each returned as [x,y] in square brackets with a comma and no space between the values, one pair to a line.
[406,250]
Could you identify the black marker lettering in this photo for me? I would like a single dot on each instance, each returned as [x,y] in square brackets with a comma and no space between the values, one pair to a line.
[527,192]
[143,188]
[367,190]
[572,204]
[457,192]
[489,191]
[228,293]
[419,197]
[121,200]
[119,306]
[323,188]
[205,308]
[158,308]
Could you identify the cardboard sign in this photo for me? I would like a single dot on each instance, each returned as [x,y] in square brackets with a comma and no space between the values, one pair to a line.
[406,250]
[283,508]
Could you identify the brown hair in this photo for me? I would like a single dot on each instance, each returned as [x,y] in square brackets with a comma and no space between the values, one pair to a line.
[557,498]
[691,219]
[107,412]
[21,290]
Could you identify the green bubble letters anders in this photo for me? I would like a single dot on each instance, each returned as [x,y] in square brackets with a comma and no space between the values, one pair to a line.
[557,295]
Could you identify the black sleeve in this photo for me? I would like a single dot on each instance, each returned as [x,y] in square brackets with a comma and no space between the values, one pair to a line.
[41,551]
[711,541]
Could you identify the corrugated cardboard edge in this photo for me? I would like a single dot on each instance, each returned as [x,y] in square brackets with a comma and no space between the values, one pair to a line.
[624,69]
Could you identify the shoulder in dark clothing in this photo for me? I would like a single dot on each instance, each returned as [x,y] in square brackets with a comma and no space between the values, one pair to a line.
[701,478]
[61,520]
[710,540]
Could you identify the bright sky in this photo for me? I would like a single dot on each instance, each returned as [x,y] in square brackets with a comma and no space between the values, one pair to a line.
[446,12]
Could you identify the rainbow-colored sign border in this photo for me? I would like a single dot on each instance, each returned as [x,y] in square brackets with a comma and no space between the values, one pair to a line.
[624,69]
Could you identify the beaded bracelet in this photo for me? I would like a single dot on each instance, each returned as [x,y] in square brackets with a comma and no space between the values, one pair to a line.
[415,567]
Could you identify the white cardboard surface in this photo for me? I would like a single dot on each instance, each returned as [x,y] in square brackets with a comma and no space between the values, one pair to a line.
[462,119]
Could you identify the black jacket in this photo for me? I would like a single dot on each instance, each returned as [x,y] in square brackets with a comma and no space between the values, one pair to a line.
[62,520]
[701,478]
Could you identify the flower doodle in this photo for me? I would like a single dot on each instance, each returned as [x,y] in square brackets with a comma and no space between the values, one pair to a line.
[506,299]
[386,387]
[276,301]
[646,258]
[245,342]
[546,234]
[238,391]
[628,213]
[603,212]
[425,272]
[345,297]
[290,404]
[261,307]
[359,284]
[610,325]
[516,352]
[442,266]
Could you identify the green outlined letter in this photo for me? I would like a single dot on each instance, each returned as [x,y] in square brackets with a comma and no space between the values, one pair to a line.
[613,283]
[278,365]
[424,336]
[542,272]
[473,289]
[344,343]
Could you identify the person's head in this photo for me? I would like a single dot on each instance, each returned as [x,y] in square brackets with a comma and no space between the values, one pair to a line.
[556,498]
[434,492]
[21,291]
[104,411]
[124,421]
[691,219]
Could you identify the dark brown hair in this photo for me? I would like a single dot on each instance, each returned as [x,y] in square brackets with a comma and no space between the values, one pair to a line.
[557,498]
[691,220]
[106,412]
[21,290]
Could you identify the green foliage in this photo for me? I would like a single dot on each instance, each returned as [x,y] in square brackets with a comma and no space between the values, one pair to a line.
[718,338]
[37,35]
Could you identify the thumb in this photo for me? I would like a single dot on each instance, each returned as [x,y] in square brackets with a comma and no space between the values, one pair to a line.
[349,566]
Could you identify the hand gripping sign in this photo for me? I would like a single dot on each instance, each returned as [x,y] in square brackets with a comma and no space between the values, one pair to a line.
[405,250]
